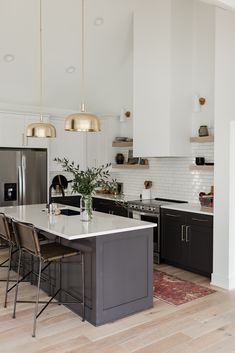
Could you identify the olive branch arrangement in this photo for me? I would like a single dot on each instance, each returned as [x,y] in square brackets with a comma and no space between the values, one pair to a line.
[85,182]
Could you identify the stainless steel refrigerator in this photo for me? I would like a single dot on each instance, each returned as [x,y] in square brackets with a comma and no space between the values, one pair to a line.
[23,176]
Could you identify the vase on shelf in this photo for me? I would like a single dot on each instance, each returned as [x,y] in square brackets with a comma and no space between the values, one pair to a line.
[86,208]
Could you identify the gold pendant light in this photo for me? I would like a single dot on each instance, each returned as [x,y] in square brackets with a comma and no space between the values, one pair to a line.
[40,129]
[82,121]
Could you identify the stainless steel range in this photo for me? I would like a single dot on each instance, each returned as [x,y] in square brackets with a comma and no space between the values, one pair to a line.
[149,210]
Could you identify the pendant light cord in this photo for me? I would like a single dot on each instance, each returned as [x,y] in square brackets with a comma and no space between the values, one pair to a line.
[40,60]
[83,60]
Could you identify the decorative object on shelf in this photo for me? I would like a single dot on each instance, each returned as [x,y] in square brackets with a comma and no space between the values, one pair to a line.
[40,129]
[119,158]
[203,131]
[200,160]
[124,115]
[85,182]
[198,102]
[146,192]
[82,121]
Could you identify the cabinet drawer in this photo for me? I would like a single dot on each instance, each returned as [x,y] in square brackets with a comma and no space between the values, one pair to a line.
[197,219]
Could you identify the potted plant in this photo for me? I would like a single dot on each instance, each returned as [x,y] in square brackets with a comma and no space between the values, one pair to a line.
[85,182]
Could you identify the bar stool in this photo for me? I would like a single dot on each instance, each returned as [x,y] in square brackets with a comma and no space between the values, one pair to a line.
[6,233]
[27,241]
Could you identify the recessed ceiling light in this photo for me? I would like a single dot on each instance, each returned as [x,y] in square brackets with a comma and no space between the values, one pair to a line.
[8,58]
[98,21]
[70,69]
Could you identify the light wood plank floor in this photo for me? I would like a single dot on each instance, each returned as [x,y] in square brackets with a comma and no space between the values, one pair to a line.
[205,325]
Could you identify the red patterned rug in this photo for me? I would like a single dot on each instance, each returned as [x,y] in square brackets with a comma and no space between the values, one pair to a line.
[175,290]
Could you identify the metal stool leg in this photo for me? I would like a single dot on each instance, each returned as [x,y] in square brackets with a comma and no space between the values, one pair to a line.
[17,285]
[8,275]
[37,299]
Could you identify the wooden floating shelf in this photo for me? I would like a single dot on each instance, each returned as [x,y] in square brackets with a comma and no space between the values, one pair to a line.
[205,168]
[202,139]
[130,166]
[122,144]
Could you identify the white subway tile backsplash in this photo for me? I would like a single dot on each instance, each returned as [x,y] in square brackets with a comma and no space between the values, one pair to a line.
[171,177]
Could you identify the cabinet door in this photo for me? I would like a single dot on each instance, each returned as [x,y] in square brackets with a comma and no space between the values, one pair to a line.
[199,238]
[101,205]
[11,130]
[109,206]
[68,200]
[173,236]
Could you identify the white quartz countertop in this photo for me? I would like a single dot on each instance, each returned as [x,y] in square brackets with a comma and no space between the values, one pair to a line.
[71,227]
[122,197]
[190,207]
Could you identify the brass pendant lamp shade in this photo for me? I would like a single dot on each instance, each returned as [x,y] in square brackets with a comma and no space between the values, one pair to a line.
[40,129]
[82,121]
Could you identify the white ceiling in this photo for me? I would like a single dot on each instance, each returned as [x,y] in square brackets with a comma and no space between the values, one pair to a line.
[108,53]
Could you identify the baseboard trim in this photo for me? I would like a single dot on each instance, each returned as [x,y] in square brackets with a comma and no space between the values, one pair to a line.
[224,282]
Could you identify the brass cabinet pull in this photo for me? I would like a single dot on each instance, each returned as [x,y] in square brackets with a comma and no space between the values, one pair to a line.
[182,232]
[187,234]
[172,215]
[200,220]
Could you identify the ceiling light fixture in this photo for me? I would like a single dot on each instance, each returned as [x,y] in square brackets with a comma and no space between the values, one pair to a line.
[70,69]
[98,21]
[40,129]
[82,121]
[8,58]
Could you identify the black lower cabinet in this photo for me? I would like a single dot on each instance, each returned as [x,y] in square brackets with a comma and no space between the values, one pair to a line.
[109,206]
[68,200]
[187,240]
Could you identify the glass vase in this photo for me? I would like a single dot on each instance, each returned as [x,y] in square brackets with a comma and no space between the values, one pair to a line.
[86,208]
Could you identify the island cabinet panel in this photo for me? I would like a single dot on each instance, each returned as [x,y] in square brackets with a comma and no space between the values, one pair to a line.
[109,206]
[187,240]
[118,275]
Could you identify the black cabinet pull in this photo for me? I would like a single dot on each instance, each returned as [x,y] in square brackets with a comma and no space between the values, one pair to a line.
[172,215]
[200,220]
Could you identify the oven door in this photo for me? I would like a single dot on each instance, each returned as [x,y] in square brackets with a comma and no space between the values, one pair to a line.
[153,218]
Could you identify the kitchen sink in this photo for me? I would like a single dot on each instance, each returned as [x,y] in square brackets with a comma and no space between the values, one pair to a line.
[69,212]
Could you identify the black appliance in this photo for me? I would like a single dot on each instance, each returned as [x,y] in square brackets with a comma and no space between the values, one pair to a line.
[149,211]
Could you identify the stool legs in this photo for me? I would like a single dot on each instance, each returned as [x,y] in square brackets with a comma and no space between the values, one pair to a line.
[17,285]
[37,299]
[8,275]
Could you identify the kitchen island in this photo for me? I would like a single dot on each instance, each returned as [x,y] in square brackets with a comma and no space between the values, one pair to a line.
[118,260]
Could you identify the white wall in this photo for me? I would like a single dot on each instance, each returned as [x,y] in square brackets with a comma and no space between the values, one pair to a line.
[224,247]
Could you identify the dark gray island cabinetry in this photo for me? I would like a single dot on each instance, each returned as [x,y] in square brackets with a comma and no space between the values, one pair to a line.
[118,275]
[118,260]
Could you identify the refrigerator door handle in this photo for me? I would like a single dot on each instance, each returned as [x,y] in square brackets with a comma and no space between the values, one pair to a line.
[20,186]
[23,186]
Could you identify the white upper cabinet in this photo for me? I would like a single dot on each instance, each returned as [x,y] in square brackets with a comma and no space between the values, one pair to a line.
[13,131]
[70,145]
[162,78]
